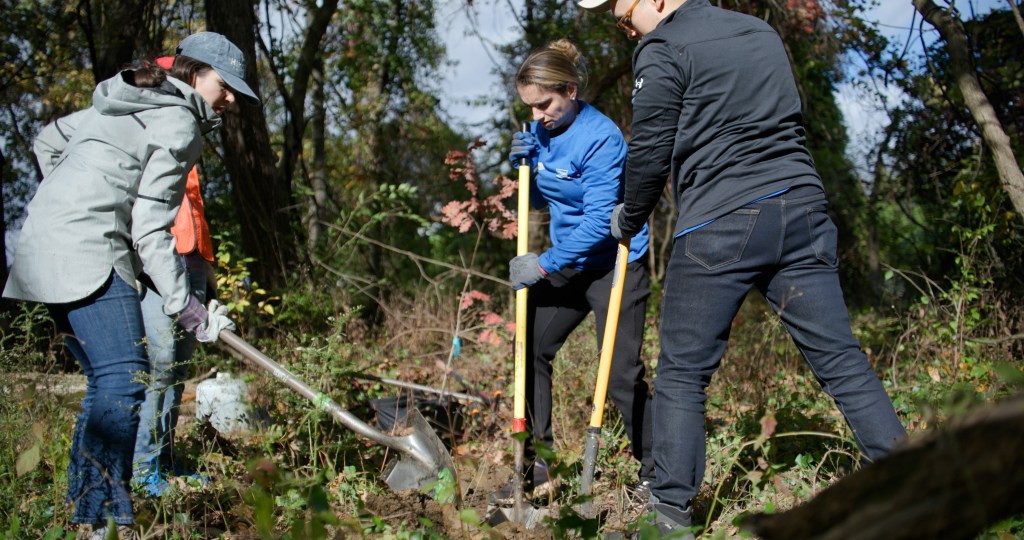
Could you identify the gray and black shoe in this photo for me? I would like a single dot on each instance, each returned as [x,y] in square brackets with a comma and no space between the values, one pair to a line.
[672,521]
[638,498]
[669,521]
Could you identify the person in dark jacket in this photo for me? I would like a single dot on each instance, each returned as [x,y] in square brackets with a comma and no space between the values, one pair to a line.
[716,109]
[577,154]
[101,216]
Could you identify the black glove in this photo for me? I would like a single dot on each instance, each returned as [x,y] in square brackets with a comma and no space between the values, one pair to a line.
[524,145]
[614,222]
[524,271]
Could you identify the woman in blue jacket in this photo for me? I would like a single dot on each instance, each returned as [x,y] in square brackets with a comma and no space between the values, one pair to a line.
[577,155]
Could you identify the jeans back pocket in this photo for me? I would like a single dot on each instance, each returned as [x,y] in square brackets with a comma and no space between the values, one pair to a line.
[823,234]
[722,241]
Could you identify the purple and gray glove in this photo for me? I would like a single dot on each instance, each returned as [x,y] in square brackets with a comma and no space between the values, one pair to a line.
[205,323]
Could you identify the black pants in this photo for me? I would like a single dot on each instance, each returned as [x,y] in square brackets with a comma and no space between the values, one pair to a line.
[557,305]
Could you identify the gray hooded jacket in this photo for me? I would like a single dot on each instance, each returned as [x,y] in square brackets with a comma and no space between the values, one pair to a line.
[114,180]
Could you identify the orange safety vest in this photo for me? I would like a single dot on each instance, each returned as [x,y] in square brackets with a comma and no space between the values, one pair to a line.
[190,230]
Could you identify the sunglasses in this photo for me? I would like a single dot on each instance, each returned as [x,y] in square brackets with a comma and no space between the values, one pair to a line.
[625,23]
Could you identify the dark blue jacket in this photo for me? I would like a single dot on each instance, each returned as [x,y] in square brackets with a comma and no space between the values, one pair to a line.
[716,108]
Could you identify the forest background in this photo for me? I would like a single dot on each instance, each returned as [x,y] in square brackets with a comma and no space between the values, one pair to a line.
[360,228]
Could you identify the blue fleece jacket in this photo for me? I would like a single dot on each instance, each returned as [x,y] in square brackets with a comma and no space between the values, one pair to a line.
[579,178]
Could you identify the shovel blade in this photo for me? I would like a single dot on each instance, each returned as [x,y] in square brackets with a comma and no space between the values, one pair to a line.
[420,464]
[526,516]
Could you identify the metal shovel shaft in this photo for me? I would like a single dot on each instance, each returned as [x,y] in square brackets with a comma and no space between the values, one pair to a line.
[410,446]
[611,327]
[424,388]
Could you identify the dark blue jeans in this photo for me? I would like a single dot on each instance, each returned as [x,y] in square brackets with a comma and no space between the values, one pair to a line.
[104,332]
[786,247]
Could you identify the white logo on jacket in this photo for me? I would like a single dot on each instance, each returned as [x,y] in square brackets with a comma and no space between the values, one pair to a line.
[637,85]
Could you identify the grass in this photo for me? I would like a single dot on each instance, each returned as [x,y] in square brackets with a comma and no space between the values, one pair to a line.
[774,439]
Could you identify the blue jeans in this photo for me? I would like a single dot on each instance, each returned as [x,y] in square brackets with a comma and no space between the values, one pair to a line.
[170,352]
[104,332]
[786,247]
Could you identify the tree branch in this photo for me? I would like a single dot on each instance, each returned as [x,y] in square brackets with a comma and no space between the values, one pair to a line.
[417,257]
[992,130]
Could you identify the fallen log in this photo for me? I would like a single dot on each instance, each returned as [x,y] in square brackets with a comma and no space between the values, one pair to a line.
[951,483]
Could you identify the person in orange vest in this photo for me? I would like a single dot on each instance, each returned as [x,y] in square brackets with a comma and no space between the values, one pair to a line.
[170,348]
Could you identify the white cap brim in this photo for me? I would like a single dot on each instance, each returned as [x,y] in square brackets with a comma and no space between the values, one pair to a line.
[595,6]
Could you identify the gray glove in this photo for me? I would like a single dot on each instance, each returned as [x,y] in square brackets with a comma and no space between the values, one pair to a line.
[614,222]
[524,271]
[205,323]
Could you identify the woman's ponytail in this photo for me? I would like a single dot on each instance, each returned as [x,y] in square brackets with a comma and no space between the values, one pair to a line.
[149,75]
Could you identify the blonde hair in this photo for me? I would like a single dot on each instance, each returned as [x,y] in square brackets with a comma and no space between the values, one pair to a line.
[554,67]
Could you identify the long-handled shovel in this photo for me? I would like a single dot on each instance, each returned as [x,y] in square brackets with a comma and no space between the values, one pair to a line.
[522,514]
[422,454]
[611,326]
[519,395]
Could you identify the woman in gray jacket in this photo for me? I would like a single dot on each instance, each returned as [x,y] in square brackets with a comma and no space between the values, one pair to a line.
[100,218]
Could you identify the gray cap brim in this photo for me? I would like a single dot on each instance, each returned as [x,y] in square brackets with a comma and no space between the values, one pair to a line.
[236,84]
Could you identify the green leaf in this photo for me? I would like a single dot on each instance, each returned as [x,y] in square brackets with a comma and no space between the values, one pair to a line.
[470,516]
[28,460]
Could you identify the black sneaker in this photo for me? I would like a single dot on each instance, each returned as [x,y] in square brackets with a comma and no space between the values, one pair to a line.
[537,484]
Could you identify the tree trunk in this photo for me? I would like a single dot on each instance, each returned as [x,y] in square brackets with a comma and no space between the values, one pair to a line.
[295,99]
[606,81]
[874,257]
[263,199]
[3,222]
[318,167]
[378,143]
[1016,15]
[951,483]
[984,114]
[118,33]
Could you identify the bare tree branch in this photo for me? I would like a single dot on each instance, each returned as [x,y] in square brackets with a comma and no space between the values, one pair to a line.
[992,130]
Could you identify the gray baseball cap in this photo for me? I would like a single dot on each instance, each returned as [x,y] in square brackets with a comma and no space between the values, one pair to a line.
[222,55]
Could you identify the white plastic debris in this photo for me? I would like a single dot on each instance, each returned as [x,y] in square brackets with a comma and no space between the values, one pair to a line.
[224,403]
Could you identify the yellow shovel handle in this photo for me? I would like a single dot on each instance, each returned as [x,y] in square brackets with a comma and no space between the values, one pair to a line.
[522,247]
[611,327]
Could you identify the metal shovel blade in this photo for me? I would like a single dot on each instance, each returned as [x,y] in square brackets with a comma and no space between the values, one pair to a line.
[526,516]
[417,468]
[422,454]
